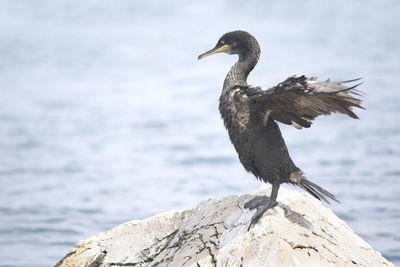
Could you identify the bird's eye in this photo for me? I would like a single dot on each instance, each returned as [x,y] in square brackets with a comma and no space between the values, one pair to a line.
[222,42]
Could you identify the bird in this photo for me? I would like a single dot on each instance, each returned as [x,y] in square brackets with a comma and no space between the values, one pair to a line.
[250,115]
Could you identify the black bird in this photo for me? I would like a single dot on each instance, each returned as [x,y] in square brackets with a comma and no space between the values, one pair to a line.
[250,116]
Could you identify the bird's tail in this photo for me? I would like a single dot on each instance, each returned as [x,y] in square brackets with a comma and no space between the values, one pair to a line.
[315,190]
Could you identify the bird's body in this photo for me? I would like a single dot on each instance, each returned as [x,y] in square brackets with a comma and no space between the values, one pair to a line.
[250,116]
[259,144]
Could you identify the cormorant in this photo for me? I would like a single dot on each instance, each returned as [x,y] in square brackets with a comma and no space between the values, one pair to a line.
[250,115]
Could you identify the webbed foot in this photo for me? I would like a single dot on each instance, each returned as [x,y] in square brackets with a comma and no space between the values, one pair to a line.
[256,202]
[262,206]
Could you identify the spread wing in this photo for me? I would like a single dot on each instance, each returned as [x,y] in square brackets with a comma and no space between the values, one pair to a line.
[298,100]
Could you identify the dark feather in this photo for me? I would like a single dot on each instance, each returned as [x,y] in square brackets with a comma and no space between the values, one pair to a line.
[316,190]
[300,100]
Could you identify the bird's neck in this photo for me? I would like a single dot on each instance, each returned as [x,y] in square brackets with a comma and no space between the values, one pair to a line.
[239,72]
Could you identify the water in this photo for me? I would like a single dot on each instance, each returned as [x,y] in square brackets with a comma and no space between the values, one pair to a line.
[107,116]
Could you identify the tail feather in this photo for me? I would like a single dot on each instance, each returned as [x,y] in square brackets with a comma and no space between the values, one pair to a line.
[316,190]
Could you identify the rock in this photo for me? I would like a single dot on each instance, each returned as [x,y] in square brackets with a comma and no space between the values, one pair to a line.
[298,232]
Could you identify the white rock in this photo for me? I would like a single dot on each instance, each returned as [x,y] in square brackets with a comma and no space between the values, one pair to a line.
[298,232]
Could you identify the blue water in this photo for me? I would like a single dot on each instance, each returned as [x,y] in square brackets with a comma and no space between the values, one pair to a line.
[107,116]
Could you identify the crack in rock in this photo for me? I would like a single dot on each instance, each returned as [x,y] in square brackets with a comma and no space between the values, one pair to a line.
[97,260]
[298,246]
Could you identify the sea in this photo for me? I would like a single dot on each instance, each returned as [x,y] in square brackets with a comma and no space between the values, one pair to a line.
[106,115]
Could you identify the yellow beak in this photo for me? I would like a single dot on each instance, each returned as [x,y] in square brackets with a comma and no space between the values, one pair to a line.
[214,51]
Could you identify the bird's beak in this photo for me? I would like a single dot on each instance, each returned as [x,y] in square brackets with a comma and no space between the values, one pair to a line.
[217,49]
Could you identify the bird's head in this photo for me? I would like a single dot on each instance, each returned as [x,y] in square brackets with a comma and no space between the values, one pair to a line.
[236,42]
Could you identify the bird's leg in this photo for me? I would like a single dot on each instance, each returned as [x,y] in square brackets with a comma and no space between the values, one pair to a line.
[262,203]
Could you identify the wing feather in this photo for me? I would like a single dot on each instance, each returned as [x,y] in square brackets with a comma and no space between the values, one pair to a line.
[299,100]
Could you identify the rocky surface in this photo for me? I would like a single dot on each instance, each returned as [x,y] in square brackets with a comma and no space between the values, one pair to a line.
[300,231]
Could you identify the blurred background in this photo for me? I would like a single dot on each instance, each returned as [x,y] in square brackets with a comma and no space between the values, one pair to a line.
[107,116]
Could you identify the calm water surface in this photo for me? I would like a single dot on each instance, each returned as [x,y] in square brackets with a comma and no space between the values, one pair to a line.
[107,116]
